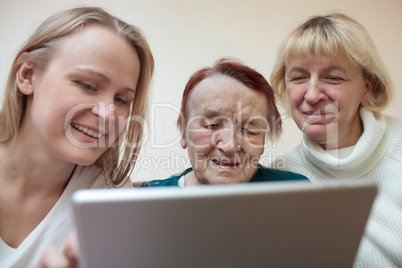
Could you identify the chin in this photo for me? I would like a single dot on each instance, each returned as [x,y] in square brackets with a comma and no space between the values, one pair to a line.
[85,162]
[226,180]
[316,132]
[84,159]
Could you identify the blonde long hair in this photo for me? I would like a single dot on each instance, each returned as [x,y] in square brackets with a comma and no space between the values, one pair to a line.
[118,161]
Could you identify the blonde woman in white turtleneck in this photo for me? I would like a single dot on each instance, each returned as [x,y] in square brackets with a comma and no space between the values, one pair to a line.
[329,75]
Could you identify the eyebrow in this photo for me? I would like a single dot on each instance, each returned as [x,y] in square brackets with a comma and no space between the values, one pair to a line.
[327,69]
[91,72]
[104,78]
[209,113]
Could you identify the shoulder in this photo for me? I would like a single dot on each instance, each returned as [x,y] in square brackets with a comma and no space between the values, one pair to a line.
[171,181]
[292,155]
[289,161]
[90,176]
[91,171]
[396,121]
[395,148]
[271,174]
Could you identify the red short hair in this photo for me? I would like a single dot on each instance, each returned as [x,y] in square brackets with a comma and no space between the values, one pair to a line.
[245,75]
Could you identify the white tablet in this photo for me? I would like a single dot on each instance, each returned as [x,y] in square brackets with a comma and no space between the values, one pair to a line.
[275,224]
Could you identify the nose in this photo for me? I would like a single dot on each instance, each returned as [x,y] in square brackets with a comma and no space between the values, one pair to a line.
[314,92]
[229,140]
[104,110]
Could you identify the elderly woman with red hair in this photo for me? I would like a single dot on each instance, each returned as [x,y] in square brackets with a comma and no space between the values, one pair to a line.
[227,113]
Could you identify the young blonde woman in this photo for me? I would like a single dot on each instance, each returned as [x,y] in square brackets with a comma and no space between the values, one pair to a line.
[71,119]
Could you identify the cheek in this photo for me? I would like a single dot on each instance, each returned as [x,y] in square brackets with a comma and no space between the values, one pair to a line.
[121,118]
[255,140]
[120,125]
[253,146]
[199,138]
[295,95]
[199,144]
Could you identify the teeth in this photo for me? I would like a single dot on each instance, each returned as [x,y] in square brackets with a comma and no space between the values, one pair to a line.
[217,162]
[87,131]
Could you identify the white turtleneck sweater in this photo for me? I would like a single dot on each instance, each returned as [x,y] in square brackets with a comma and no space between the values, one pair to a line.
[377,156]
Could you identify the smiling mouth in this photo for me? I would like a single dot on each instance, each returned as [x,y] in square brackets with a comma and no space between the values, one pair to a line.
[225,163]
[318,116]
[87,131]
[316,113]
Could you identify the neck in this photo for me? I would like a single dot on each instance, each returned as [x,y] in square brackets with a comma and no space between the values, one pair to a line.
[190,179]
[344,138]
[32,172]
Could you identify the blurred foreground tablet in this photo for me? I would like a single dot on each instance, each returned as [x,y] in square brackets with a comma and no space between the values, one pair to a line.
[275,224]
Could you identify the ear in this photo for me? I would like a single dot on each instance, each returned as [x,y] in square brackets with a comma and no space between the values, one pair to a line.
[369,88]
[24,78]
[182,128]
[183,140]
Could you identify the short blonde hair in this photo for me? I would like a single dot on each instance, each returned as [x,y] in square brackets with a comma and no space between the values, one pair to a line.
[118,161]
[332,36]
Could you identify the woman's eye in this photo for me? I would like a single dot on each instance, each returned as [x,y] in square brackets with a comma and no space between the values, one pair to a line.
[298,79]
[119,100]
[86,87]
[334,79]
[212,126]
[248,130]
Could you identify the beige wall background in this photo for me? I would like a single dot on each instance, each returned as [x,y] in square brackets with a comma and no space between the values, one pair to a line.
[187,35]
